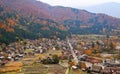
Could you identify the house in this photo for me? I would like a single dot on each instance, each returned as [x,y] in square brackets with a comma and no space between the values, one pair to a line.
[106,70]
[2,57]
[82,57]
[93,60]
[111,70]
[96,68]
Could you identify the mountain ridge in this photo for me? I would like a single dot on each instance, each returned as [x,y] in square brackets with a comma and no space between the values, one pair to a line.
[32,19]
[111,8]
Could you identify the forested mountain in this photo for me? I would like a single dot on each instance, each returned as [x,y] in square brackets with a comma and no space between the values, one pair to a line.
[31,19]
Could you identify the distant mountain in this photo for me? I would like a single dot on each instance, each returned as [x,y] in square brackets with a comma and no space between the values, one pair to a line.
[112,9]
[20,19]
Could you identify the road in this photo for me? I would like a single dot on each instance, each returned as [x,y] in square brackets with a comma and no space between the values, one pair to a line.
[72,51]
[68,71]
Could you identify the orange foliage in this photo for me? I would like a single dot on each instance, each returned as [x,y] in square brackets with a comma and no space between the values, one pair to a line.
[11,22]
[10,30]
[5,27]
[62,27]
[72,63]
[88,52]
[34,11]
[83,65]
[44,22]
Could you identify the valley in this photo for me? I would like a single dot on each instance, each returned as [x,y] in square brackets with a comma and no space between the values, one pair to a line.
[38,38]
[54,56]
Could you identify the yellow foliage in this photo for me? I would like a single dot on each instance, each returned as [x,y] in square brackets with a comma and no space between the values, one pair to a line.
[41,56]
[82,43]
[9,69]
[14,64]
[59,54]
[29,59]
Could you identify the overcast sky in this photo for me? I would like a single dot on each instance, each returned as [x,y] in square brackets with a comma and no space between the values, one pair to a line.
[77,3]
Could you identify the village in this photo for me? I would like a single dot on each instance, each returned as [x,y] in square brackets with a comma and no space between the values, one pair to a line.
[94,54]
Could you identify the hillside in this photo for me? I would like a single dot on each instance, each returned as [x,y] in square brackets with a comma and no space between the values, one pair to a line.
[31,19]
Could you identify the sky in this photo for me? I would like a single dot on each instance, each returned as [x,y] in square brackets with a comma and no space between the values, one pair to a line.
[77,3]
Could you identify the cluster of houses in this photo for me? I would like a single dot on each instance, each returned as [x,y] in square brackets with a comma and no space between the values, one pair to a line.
[105,70]
[15,51]
[101,64]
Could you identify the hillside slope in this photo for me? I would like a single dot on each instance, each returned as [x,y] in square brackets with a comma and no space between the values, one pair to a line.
[31,19]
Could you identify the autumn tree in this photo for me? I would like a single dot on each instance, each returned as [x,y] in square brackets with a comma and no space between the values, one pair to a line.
[88,52]
[55,59]
[112,46]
